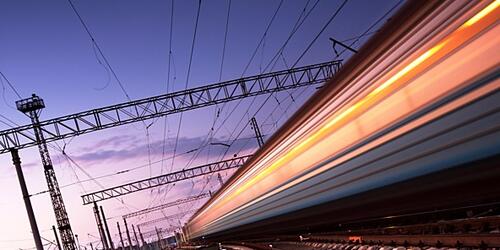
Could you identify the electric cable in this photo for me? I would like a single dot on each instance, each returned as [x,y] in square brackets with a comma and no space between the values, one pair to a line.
[99,49]
[334,15]
[187,81]
[10,85]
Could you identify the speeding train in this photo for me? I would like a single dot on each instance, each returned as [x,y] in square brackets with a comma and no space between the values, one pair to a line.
[411,123]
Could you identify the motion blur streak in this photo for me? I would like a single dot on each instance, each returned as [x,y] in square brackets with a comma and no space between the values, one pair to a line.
[483,13]
[425,78]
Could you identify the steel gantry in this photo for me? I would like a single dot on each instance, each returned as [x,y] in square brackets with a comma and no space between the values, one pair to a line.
[167,205]
[169,217]
[154,232]
[39,133]
[160,207]
[32,107]
[163,179]
[175,102]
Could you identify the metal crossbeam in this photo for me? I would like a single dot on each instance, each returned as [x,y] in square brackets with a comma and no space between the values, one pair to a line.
[143,109]
[163,179]
[173,216]
[153,233]
[166,205]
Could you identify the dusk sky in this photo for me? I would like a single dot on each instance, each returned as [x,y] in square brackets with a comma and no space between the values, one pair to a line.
[44,49]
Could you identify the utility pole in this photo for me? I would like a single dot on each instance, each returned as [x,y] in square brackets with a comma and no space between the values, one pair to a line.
[128,233]
[142,237]
[120,233]
[135,235]
[32,107]
[219,177]
[107,229]
[159,238]
[26,197]
[99,226]
[258,135]
[77,242]
[57,238]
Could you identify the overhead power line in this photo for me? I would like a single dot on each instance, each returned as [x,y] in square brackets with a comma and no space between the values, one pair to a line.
[170,43]
[320,32]
[165,121]
[262,38]
[212,132]
[217,111]
[187,78]
[99,49]
[11,85]
[165,134]
[296,26]
[367,32]
[169,217]
[334,15]
[166,205]
[225,40]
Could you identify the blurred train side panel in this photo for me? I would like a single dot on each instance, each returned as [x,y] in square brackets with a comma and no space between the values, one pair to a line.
[421,97]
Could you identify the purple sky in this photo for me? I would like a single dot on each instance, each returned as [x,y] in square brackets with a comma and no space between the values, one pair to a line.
[45,50]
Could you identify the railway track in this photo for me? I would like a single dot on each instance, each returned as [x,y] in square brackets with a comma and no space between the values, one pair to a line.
[397,242]
[479,232]
[481,240]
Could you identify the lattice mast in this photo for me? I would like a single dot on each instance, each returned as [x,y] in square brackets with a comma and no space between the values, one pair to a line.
[32,107]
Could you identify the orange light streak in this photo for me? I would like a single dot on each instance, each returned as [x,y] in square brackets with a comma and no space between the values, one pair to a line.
[491,7]
[471,27]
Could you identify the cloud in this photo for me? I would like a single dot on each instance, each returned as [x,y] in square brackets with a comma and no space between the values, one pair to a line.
[31,164]
[129,147]
[113,142]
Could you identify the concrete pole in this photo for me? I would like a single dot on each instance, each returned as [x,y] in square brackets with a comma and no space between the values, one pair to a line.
[107,229]
[120,233]
[159,238]
[77,242]
[142,237]
[57,238]
[27,203]
[128,233]
[135,235]
[99,226]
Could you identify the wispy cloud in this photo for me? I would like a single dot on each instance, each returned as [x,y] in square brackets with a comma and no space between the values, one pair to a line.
[31,164]
[125,148]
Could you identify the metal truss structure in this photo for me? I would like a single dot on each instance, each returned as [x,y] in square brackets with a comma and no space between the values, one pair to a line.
[175,102]
[39,133]
[169,217]
[163,179]
[32,107]
[155,232]
[167,205]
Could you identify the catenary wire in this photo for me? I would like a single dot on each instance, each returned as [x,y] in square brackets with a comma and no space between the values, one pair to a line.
[210,133]
[334,15]
[365,33]
[262,38]
[297,24]
[99,49]
[11,85]
[187,81]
